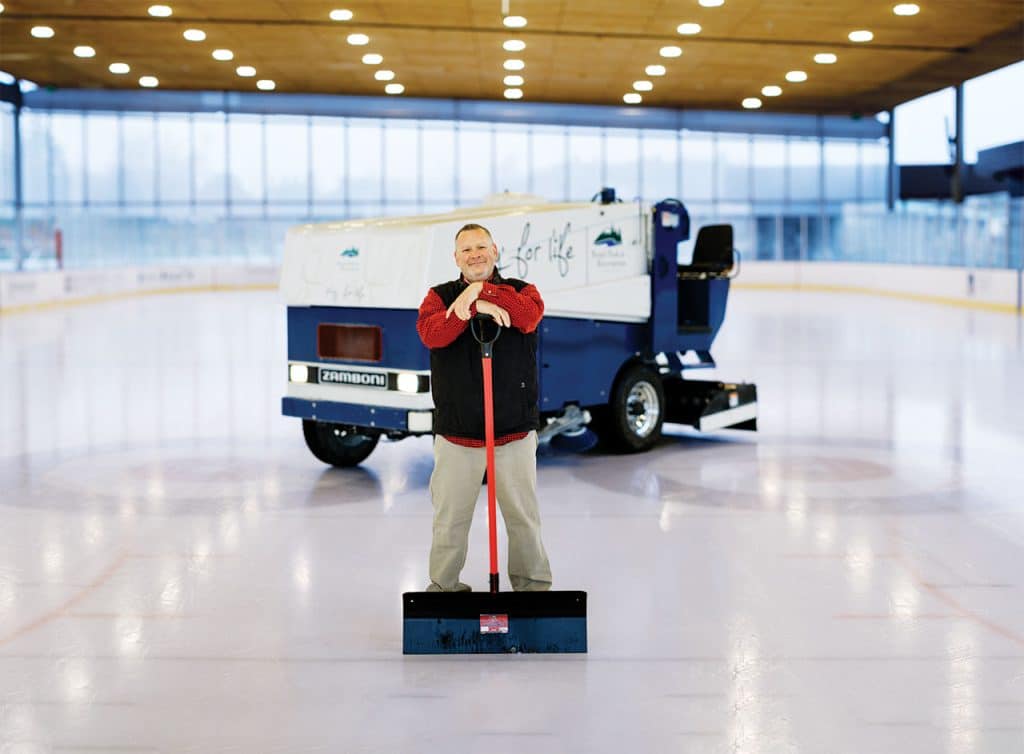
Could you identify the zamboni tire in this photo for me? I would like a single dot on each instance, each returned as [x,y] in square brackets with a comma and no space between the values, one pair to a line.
[636,411]
[337,445]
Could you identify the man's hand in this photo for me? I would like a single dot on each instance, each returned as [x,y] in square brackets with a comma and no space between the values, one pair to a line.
[500,315]
[461,305]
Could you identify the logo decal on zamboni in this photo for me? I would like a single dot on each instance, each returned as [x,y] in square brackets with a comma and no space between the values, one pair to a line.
[610,237]
[345,377]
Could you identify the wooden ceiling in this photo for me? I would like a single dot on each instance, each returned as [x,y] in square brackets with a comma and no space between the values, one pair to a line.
[578,51]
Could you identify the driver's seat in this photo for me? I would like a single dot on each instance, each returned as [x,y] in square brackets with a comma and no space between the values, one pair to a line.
[712,253]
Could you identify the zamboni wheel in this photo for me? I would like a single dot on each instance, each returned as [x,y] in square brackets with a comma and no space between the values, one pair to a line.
[636,411]
[337,445]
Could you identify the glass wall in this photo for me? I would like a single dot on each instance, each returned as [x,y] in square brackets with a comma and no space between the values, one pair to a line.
[138,188]
[984,231]
[6,154]
[8,242]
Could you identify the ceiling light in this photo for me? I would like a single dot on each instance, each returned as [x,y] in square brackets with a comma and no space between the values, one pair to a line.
[712,3]
[825,58]
[514,45]
[160,11]
[223,55]
[513,94]
[861,35]
[514,22]
[119,68]
[384,75]
[149,81]
[266,85]
[907,9]
[358,39]
[372,58]
[771,91]
[341,14]
[688,28]
[85,51]
[751,103]
[643,86]
[514,80]
[670,52]
[632,98]
[514,65]
[796,76]
[394,89]
[194,35]
[42,32]
[655,70]
[1,7]
[245,70]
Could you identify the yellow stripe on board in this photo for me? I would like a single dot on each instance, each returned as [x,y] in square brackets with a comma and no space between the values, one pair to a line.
[103,297]
[921,297]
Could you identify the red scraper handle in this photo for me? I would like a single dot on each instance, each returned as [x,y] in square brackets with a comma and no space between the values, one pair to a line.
[492,524]
[486,350]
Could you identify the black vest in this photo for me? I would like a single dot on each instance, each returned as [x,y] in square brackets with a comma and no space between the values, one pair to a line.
[456,376]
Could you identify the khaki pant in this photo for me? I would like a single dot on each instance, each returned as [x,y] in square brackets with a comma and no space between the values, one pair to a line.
[454,488]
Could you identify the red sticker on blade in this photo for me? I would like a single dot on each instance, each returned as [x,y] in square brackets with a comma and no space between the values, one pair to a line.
[494,624]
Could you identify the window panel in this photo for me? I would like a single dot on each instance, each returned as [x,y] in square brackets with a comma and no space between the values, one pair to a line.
[548,162]
[102,156]
[401,153]
[584,163]
[660,154]
[840,169]
[68,157]
[328,160]
[210,157]
[475,162]
[698,165]
[874,156]
[245,157]
[364,152]
[766,234]
[732,165]
[174,159]
[287,158]
[512,147]
[6,153]
[138,165]
[804,169]
[791,238]
[622,160]
[437,164]
[35,156]
[769,169]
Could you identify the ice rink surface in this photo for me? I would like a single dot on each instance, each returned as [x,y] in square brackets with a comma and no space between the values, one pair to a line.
[179,574]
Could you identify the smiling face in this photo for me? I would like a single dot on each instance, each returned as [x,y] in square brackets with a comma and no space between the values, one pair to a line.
[475,254]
